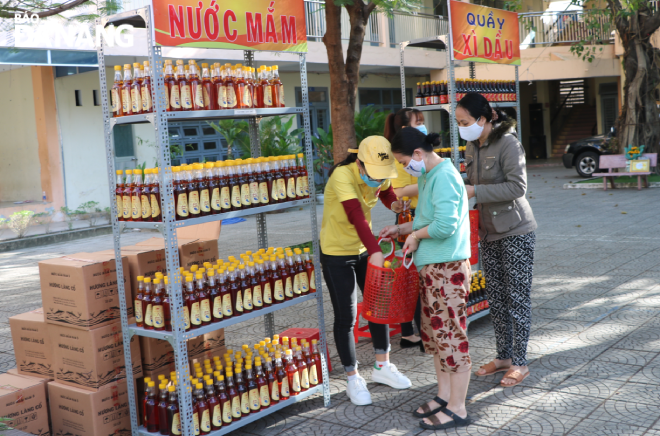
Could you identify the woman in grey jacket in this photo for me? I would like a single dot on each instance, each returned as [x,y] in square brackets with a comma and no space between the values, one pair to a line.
[497,179]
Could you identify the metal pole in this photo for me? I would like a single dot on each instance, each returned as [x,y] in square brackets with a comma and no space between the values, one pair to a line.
[473,71]
[402,73]
[519,127]
[453,127]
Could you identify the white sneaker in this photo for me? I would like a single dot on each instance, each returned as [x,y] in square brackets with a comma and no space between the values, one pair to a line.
[389,375]
[357,391]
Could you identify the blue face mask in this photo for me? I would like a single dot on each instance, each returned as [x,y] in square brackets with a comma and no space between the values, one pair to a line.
[370,183]
[422,129]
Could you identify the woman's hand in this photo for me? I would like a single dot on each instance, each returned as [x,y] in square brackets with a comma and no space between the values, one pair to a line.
[389,232]
[411,244]
[397,206]
[470,191]
[377,259]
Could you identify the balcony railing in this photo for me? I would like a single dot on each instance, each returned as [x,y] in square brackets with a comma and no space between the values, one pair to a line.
[382,30]
[548,28]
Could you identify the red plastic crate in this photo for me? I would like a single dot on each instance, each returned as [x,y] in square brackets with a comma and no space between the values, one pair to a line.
[474,236]
[308,334]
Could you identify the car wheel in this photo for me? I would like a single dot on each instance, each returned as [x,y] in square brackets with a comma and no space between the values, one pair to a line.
[586,164]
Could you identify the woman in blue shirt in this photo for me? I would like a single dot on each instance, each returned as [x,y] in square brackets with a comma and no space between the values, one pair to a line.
[439,237]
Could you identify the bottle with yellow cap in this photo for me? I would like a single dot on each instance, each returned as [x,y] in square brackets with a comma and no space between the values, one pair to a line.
[278,89]
[126,103]
[145,202]
[151,408]
[115,93]
[157,312]
[189,301]
[136,193]
[138,309]
[302,184]
[119,189]
[136,90]
[126,196]
[184,86]
[147,304]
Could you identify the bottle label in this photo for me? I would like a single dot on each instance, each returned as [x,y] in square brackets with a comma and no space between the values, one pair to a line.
[281,189]
[291,188]
[279,291]
[186,318]
[274,392]
[227,310]
[263,192]
[245,195]
[304,379]
[268,96]
[306,186]
[196,423]
[205,308]
[236,407]
[176,424]
[281,92]
[245,403]
[295,384]
[205,201]
[147,316]
[312,282]
[138,311]
[288,288]
[225,199]
[268,297]
[313,376]
[429,100]
[265,398]
[285,388]
[157,316]
[273,191]
[175,97]
[136,209]
[217,416]
[226,413]
[146,99]
[254,193]
[205,424]
[182,205]
[255,401]
[239,302]
[146,207]
[222,97]
[126,209]
[418,101]
[236,196]
[186,102]
[300,188]
[304,285]
[155,207]
[215,199]
[296,284]
[193,203]
[256,296]
[199,96]
[436,99]
[247,97]
[126,101]
[136,100]
[231,97]
[195,314]
[119,202]
[247,299]
[114,96]
[217,308]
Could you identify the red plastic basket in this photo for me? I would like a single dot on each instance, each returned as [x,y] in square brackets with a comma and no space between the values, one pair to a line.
[474,236]
[390,295]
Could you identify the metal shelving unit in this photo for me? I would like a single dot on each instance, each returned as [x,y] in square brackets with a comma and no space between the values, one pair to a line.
[143,18]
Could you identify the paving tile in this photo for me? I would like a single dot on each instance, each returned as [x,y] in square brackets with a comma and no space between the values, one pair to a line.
[517,396]
[626,357]
[470,430]
[600,369]
[320,428]
[621,412]
[562,403]
[638,393]
[273,424]
[350,415]
[537,423]
[592,427]
[591,387]
[492,415]
[394,423]
[643,339]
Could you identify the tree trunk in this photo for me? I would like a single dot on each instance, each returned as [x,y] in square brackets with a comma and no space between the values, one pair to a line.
[344,75]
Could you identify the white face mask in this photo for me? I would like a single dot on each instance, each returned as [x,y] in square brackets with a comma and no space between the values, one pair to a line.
[471,133]
[415,167]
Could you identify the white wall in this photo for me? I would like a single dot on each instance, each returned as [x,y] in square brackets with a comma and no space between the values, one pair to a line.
[83,146]
[19,166]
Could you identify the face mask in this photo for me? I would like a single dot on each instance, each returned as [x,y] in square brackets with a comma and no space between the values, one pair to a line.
[422,129]
[471,133]
[415,168]
[370,183]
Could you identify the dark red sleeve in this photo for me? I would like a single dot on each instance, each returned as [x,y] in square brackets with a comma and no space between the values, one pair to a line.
[387,197]
[356,217]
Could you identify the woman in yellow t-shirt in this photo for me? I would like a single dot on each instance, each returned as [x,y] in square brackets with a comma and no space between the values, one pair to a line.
[354,187]
[405,185]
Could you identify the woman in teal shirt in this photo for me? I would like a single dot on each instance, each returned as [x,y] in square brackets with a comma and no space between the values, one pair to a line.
[439,237]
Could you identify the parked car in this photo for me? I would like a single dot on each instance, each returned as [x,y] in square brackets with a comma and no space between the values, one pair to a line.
[585,153]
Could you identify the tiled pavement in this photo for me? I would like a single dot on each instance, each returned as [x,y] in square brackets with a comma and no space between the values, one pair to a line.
[595,341]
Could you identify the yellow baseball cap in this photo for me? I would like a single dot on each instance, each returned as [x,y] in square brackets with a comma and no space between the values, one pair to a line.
[375,153]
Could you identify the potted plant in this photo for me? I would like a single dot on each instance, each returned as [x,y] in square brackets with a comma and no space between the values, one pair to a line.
[324,159]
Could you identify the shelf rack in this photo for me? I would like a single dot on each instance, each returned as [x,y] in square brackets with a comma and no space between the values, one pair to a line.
[143,18]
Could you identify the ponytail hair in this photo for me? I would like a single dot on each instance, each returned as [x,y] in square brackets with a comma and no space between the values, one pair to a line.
[395,122]
[409,139]
[352,157]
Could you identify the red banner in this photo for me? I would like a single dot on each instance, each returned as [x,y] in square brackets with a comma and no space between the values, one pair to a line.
[482,34]
[242,25]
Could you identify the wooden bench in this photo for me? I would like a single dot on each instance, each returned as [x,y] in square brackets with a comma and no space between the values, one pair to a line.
[612,161]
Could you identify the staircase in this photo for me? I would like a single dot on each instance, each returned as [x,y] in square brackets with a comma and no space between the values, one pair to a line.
[579,124]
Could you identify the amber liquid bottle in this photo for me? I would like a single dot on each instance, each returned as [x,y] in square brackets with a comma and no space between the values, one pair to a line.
[252,389]
[292,373]
[268,96]
[205,188]
[195,179]
[220,91]
[303,174]
[188,301]
[204,300]
[224,186]
[147,305]
[253,170]
[292,184]
[246,289]
[234,397]
[277,282]
[257,291]
[147,102]
[290,180]
[154,196]
[119,189]
[243,175]
[145,201]
[136,90]
[242,391]
[303,278]
[273,183]
[287,279]
[258,89]
[224,400]
[180,195]
[126,103]
[184,87]
[208,88]
[151,408]
[240,87]
[404,217]
[116,92]
[213,176]
[264,283]
[293,274]
[315,370]
[173,417]
[311,369]
[236,292]
[233,170]
[264,193]
[162,410]
[215,298]
[309,267]
[138,307]
[136,193]
[302,369]
[157,310]
[278,89]
[126,196]
[196,88]
[248,95]
[167,310]
[230,85]
[173,93]
[271,381]
[282,379]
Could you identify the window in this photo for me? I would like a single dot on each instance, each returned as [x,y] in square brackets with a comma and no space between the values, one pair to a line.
[78,97]
[198,142]
[388,99]
[70,71]
[95,97]
[123,136]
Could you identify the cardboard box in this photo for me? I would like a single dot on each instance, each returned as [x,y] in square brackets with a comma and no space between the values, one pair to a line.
[213,345]
[23,401]
[80,290]
[92,359]
[158,355]
[78,412]
[191,251]
[32,345]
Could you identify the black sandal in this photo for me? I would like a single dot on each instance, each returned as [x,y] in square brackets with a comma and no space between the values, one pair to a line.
[405,343]
[436,425]
[427,410]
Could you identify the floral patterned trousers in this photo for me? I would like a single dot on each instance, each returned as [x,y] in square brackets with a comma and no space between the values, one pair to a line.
[444,289]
